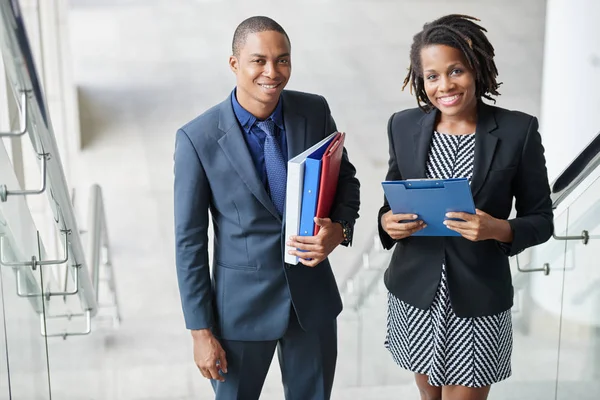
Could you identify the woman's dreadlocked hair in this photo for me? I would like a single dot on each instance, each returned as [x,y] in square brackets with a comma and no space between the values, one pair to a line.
[460,32]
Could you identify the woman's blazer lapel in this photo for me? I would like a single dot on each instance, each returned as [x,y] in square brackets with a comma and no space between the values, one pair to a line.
[485,144]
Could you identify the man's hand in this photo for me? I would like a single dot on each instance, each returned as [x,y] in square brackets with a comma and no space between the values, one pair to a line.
[480,226]
[399,230]
[317,248]
[209,355]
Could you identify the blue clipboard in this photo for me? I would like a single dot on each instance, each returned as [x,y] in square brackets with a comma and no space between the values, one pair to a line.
[430,199]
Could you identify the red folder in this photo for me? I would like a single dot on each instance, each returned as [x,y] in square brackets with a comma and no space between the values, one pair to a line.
[330,171]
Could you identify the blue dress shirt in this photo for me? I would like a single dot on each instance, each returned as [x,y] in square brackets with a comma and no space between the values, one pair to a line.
[255,137]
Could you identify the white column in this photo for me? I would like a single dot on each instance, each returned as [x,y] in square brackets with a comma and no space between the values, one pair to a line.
[570,119]
[570,116]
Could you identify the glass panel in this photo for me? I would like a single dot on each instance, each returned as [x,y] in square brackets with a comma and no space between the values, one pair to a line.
[579,367]
[363,360]
[536,321]
[4,383]
[26,347]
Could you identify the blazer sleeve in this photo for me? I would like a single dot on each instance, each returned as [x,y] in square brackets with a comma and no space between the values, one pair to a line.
[534,221]
[347,198]
[393,174]
[191,202]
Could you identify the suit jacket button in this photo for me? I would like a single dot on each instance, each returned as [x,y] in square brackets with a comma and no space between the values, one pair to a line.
[287,266]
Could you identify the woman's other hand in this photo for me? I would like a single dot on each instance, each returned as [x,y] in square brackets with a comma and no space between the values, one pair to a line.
[400,226]
[480,226]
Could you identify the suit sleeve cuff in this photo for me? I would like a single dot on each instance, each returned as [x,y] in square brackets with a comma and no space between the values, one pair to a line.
[386,240]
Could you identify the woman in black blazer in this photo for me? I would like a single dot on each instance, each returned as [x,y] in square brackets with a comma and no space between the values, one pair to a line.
[449,299]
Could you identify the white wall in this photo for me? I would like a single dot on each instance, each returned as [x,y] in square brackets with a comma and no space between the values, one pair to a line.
[570,115]
[570,119]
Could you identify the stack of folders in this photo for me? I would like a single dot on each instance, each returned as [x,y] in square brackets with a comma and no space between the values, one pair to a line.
[311,186]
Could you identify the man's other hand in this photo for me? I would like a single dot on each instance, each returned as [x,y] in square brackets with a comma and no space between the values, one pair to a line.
[209,355]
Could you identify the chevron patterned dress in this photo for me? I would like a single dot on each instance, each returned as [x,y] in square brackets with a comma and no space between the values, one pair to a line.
[472,352]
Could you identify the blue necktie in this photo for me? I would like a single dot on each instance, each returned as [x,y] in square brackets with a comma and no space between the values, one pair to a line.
[275,165]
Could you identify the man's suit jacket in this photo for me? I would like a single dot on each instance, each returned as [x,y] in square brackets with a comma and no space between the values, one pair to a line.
[509,163]
[252,289]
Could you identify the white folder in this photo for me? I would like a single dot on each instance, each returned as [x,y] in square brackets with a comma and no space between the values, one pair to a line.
[293,197]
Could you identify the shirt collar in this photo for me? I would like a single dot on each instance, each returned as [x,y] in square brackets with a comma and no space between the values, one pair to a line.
[247,120]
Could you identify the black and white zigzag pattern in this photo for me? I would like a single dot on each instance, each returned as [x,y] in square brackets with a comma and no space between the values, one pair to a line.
[473,352]
[451,156]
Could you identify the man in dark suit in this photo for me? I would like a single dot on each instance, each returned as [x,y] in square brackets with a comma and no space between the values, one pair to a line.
[231,160]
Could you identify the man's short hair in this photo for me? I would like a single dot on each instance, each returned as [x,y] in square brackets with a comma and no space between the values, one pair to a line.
[254,25]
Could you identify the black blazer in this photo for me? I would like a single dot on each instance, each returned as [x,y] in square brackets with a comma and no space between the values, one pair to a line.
[509,162]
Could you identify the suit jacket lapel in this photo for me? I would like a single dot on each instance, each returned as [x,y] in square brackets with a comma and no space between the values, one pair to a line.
[295,128]
[422,138]
[485,146]
[235,148]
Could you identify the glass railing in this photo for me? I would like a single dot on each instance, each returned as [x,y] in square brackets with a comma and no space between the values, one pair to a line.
[43,295]
[25,349]
[365,274]
[22,76]
[579,346]
[21,289]
[556,315]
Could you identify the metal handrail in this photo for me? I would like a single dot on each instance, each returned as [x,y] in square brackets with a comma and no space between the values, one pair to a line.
[22,118]
[579,169]
[97,244]
[4,192]
[23,77]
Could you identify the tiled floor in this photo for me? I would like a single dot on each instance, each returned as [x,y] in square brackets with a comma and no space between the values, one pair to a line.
[145,67]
